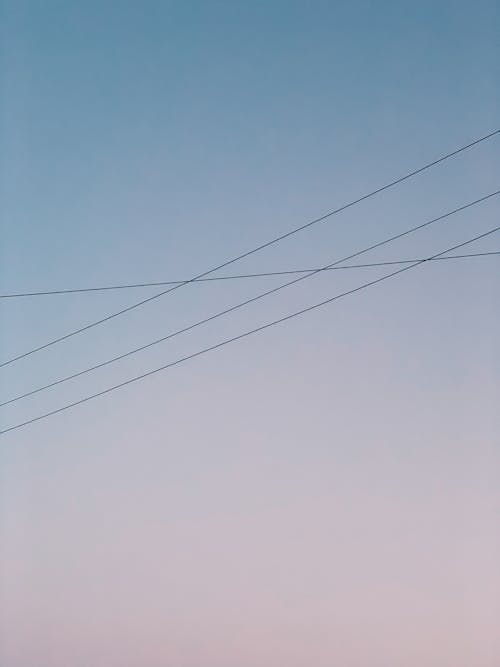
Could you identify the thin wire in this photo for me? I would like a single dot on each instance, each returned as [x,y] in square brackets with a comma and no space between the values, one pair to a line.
[245,334]
[252,251]
[266,274]
[247,301]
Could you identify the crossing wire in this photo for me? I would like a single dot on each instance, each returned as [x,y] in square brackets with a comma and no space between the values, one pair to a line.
[264,274]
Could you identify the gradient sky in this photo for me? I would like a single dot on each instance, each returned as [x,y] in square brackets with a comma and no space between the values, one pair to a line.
[326,493]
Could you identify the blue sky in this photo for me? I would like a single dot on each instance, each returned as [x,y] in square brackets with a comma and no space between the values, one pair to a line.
[152,141]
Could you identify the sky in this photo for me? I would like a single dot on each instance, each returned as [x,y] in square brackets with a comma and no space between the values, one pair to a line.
[324,492]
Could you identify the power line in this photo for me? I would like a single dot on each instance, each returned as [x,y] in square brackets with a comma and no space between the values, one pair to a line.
[245,334]
[252,251]
[265,274]
[246,302]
